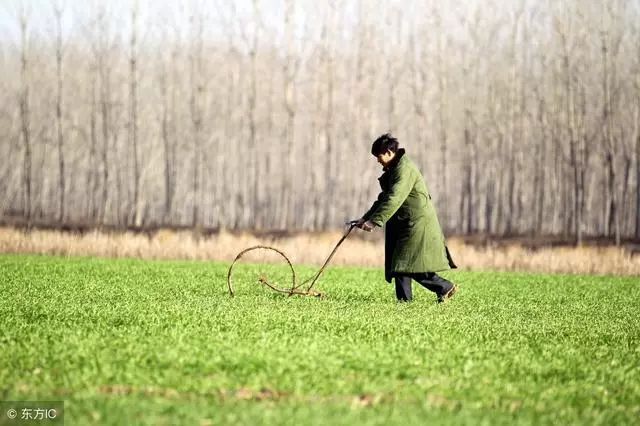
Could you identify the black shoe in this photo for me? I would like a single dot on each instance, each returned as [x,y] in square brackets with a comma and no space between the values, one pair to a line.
[448,295]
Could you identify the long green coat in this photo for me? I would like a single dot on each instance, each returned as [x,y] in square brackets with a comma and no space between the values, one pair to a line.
[414,241]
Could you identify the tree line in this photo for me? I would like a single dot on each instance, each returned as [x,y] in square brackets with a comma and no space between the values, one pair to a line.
[523,116]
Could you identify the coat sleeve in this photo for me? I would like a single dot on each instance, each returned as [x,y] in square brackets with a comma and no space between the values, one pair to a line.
[389,201]
[373,208]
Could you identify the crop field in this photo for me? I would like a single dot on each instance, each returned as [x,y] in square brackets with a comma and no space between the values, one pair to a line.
[162,342]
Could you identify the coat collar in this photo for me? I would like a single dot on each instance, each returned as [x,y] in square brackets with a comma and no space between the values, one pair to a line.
[396,159]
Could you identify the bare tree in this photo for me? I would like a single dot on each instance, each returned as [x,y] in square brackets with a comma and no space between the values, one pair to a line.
[328,63]
[167,95]
[443,108]
[636,116]
[136,211]
[196,94]
[101,49]
[290,67]
[609,47]
[25,111]
[59,52]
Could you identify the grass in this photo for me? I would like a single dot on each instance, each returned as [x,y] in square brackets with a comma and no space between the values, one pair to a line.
[161,342]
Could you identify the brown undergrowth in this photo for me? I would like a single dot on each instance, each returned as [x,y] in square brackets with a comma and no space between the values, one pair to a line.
[313,249]
[256,395]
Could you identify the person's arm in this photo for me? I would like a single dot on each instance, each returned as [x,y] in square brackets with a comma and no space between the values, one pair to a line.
[389,201]
[364,223]
[373,208]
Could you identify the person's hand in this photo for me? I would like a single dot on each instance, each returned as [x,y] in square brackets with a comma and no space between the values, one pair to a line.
[366,225]
[363,224]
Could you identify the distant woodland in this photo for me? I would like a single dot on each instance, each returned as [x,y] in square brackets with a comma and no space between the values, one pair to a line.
[524,116]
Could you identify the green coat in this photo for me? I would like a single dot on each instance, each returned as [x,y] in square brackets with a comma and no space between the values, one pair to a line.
[414,241]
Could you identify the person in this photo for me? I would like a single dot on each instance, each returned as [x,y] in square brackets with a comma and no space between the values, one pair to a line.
[415,247]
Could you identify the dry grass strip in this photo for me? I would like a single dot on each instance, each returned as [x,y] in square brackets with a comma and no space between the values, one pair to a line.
[312,249]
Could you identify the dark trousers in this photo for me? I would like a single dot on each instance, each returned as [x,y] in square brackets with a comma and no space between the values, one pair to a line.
[428,280]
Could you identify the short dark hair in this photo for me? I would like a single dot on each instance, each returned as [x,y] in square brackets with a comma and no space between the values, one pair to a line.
[383,144]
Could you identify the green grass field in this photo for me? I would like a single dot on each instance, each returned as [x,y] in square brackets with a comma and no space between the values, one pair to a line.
[140,342]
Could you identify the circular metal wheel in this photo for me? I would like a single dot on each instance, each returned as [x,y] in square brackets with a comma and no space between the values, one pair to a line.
[274,256]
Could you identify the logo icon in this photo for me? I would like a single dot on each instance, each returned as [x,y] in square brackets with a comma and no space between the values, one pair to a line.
[11,413]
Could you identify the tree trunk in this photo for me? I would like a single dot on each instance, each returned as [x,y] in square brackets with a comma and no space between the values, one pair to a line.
[637,152]
[443,122]
[166,146]
[25,113]
[104,69]
[93,172]
[135,215]
[195,110]
[60,139]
